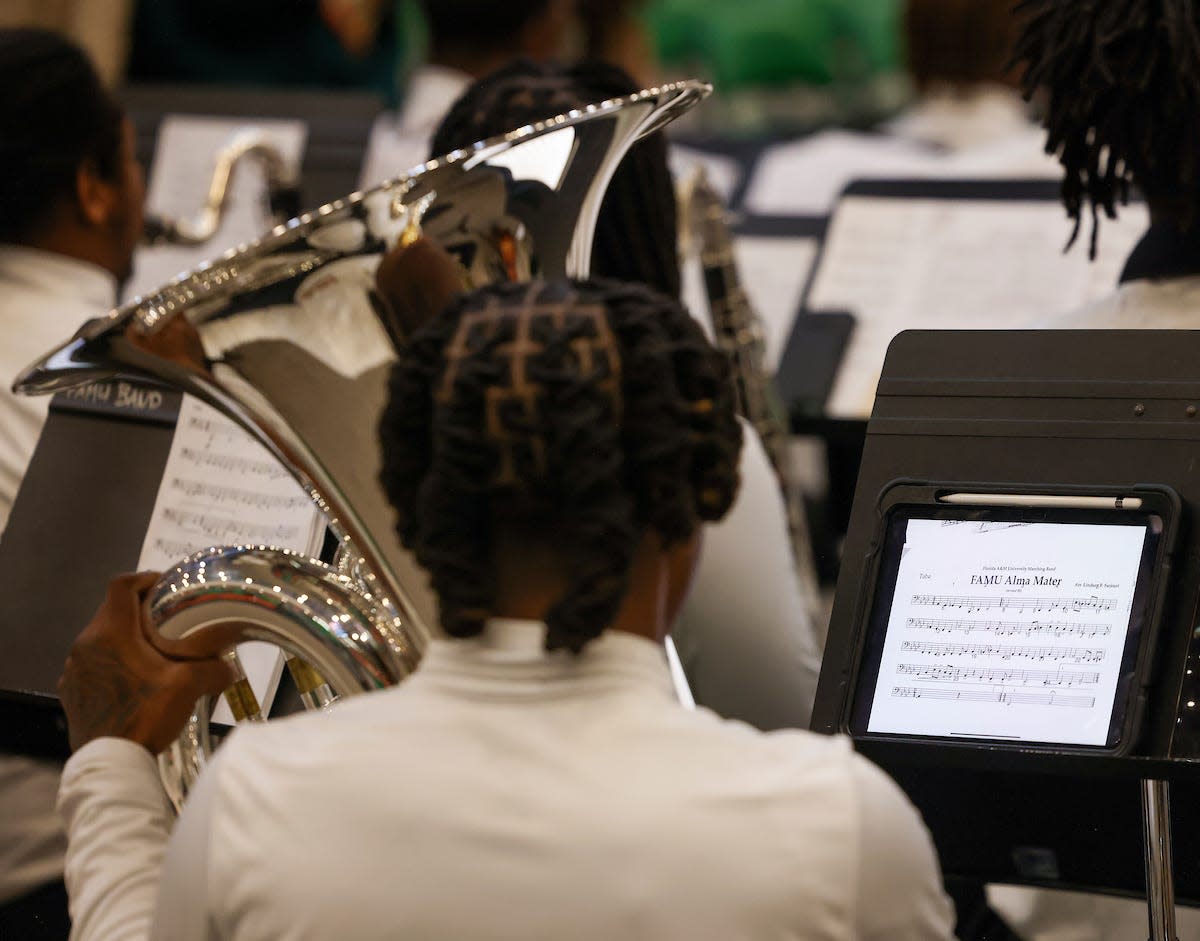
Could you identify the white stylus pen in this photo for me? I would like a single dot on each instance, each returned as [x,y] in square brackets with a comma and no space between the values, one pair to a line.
[1043,499]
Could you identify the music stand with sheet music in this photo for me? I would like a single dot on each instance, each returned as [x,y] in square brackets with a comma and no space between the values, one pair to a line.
[99,482]
[1035,421]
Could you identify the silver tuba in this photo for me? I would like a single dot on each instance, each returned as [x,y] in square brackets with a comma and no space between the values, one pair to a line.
[286,338]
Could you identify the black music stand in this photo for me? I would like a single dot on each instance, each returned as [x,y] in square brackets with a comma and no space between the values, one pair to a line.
[1038,410]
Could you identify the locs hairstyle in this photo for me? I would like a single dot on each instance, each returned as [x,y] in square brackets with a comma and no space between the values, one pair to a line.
[636,229]
[1122,86]
[586,412]
[54,115]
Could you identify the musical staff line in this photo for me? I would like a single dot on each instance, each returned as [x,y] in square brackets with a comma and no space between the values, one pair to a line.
[1015,603]
[226,531]
[1006,651]
[1006,628]
[1006,696]
[996,675]
[251,498]
[228,462]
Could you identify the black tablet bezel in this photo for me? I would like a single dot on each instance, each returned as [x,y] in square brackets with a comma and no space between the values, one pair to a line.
[1158,513]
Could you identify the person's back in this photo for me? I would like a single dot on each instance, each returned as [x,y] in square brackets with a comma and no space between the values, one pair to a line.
[501,793]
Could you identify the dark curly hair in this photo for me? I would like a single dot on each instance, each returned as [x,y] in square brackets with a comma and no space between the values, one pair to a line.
[55,115]
[1122,82]
[589,412]
[636,229]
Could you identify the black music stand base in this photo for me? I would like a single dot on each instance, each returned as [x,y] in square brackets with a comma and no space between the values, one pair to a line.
[1160,870]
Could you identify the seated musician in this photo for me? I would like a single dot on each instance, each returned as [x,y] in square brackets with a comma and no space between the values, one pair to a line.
[746,636]
[552,451]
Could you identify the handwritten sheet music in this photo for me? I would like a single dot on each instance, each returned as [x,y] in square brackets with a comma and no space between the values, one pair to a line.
[184,157]
[900,264]
[1007,631]
[220,487]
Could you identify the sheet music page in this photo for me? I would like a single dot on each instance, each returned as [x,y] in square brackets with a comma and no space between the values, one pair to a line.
[901,264]
[220,487]
[774,272]
[724,173]
[184,157]
[1007,630]
[392,151]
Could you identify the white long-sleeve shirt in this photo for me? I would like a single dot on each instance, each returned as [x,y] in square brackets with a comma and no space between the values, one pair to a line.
[44,298]
[504,793]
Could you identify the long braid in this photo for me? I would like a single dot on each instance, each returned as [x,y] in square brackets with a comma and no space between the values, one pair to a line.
[641,189]
[589,412]
[1122,78]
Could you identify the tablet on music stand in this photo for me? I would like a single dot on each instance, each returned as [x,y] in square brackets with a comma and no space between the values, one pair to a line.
[1014,619]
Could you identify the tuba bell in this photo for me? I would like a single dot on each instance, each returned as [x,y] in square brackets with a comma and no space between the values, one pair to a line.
[300,302]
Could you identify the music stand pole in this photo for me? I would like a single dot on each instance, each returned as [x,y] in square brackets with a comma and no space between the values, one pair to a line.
[1160,875]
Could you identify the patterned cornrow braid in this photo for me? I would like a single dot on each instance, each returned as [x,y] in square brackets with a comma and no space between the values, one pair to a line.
[636,229]
[1123,82]
[590,411]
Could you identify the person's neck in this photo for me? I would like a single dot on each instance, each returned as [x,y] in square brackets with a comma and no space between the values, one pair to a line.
[80,246]
[531,580]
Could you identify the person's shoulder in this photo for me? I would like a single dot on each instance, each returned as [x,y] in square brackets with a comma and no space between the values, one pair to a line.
[783,751]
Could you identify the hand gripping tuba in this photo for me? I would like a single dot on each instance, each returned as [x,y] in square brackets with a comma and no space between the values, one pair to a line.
[285,337]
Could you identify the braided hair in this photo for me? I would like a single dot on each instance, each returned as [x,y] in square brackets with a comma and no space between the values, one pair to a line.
[635,236]
[1122,79]
[588,412]
[54,116]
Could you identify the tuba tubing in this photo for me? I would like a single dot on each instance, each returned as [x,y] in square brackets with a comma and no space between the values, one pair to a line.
[352,639]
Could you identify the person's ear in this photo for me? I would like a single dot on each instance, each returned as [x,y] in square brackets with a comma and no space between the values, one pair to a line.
[96,197]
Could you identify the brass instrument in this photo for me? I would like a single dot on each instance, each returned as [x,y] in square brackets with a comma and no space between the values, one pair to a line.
[283,192]
[738,330]
[285,337]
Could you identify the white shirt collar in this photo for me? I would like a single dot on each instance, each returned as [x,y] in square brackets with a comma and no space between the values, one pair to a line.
[509,659]
[56,275]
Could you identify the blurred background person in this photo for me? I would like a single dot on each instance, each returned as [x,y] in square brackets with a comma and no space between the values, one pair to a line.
[1120,88]
[958,54]
[71,192]
[465,40]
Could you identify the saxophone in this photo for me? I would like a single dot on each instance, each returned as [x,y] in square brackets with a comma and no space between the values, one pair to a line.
[283,192]
[739,334]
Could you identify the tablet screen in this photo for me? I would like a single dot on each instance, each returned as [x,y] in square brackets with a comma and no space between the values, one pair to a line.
[1007,625]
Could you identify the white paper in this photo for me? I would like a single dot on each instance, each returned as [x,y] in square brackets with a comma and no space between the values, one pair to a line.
[1012,631]
[774,272]
[724,173]
[900,264]
[184,158]
[220,487]
[392,151]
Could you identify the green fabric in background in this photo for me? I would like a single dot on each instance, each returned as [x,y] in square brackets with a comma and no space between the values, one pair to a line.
[778,42]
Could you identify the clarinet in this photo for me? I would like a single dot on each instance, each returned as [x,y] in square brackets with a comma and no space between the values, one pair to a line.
[739,334]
